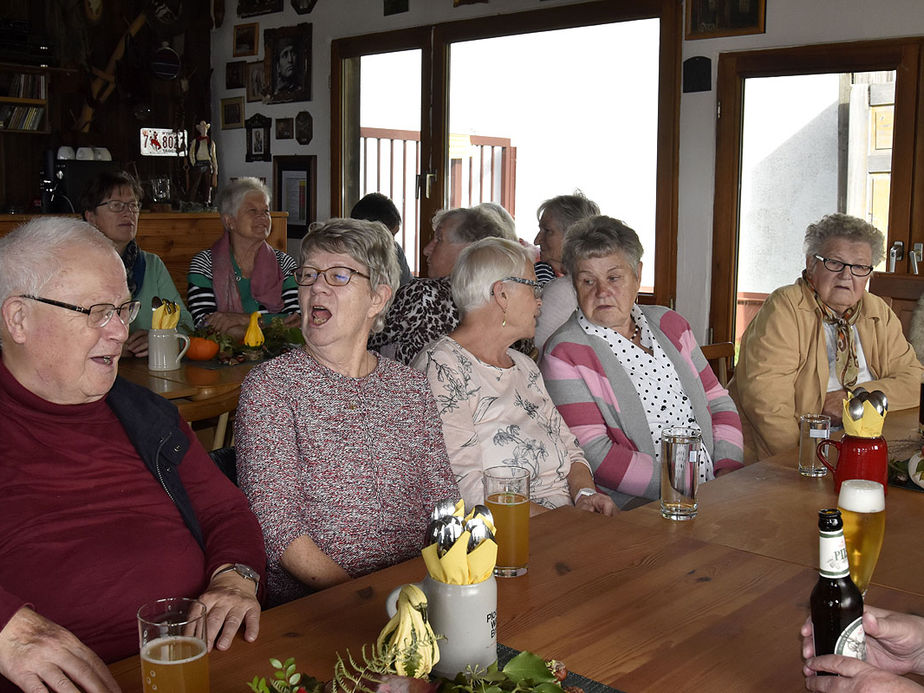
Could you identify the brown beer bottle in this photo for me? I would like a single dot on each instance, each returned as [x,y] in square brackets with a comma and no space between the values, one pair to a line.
[837,605]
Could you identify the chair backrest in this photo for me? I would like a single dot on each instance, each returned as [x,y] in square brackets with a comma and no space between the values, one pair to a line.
[719,356]
[901,292]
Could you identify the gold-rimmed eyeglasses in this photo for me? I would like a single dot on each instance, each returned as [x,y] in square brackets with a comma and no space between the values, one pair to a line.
[118,206]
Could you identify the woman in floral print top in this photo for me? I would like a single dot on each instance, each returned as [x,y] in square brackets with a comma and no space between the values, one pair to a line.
[491,399]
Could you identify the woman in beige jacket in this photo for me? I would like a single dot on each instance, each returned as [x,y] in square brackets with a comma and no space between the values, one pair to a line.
[816,339]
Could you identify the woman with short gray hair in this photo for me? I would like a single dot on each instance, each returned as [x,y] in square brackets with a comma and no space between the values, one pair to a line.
[339,450]
[241,273]
[815,340]
[491,398]
[621,373]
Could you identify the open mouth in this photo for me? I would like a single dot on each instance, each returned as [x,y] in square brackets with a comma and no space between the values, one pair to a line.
[103,360]
[319,315]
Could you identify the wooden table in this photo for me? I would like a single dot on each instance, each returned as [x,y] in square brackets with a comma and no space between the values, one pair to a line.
[636,607]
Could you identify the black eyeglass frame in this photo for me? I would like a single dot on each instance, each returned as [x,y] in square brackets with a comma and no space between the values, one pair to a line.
[323,272]
[867,269]
[133,308]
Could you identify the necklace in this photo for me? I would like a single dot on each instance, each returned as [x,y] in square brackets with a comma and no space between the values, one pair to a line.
[635,333]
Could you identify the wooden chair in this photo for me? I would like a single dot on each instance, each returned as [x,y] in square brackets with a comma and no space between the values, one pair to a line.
[217,406]
[901,292]
[719,356]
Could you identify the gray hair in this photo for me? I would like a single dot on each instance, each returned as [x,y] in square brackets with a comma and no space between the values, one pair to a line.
[231,196]
[480,265]
[847,227]
[600,236]
[568,209]
[473,224]
[370,243]
[35,253]
[502,214]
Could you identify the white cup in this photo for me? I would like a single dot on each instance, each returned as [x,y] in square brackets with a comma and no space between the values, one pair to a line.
[466,617]
[164,351]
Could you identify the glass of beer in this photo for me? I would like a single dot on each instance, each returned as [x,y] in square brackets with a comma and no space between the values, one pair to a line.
[173,646]
[506,493]
[680,451]
[862,506]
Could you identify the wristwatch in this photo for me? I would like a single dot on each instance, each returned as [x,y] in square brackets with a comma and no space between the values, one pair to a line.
[584,492]
[245,571]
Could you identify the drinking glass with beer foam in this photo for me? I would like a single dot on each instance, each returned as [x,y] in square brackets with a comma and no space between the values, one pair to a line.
[506,493]
[862,506]
[173,646]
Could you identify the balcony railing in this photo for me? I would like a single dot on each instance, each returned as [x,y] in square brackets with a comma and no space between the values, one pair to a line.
[482,169]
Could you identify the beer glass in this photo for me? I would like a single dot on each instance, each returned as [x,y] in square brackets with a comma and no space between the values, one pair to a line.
[173,646]
[813,428]
[506,493]
[862,506]
[680,451]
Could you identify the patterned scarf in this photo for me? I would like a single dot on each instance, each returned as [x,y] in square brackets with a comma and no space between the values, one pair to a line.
[265,280]
[846,363]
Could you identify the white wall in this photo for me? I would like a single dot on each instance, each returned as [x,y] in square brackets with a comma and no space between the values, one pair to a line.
[789,23]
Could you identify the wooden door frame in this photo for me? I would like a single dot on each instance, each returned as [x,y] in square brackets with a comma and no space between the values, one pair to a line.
[435,42]
[902,55]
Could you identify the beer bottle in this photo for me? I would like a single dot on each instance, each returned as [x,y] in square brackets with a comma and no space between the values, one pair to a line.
[836,604]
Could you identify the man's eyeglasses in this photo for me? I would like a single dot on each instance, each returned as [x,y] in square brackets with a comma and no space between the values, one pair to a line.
[117,206]
[837,266]
[99,314]
[334,276]
[537,288]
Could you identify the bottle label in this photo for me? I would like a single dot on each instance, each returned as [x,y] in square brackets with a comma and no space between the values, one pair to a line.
[852,641]
[833,555]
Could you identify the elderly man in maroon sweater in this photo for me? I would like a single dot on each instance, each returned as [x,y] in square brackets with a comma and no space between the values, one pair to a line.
[108,499]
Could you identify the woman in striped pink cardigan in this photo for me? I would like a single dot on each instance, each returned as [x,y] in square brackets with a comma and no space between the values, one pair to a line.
[620,373]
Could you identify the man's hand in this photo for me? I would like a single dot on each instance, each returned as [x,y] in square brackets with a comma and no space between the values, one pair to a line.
[136,345]
[39,656]
[854,676]
[231,600]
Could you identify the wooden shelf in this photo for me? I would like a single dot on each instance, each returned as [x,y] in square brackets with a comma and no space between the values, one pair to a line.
[24,107]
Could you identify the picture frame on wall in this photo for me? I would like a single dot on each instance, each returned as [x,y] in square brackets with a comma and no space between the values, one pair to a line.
[252,8]
[287,63]
[304,127]
[246,40]
[232,113]
[295,191]
[258,138]
[234,74]
[285,128]
[715,18]
[254,78]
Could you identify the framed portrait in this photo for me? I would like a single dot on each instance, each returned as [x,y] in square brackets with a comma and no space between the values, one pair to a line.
[258,138]
[285,128]
[234,74]
[251,8]
[714,18]
[255,83]
[304,127]
[303,6]
[294,191]
[246,40]
[394,6]
[287,63]
[232,113]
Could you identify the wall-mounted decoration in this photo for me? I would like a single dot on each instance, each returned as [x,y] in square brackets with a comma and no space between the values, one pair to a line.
[295,191]
[232,113]
[255,84]
[287,63]
[303,6]
[165,63]
[395,6]
[285,128]
[251,8]
[258,138]
[456,3]
[712,18]
[234,74]
[246,40]
[304,127]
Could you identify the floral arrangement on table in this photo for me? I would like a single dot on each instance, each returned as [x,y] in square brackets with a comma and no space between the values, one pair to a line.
[259,342]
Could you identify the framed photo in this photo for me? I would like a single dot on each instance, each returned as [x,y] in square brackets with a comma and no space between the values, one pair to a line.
[258,138]
[303,6]
[255,83]
[304,127]
[394,6]
[713,18]
[232,113]
[234,74]
[251,8]
[285,128]
[246,40]
[294,191]
[287,63]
